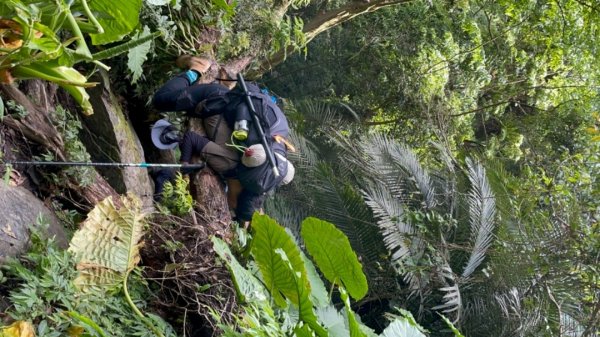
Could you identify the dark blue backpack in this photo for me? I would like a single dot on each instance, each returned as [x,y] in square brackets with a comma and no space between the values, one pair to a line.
[233,105]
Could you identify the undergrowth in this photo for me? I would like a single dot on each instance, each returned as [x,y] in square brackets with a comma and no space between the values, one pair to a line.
[41,290]
[176,198]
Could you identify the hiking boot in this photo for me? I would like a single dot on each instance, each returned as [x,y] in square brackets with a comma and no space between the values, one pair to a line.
[200,64]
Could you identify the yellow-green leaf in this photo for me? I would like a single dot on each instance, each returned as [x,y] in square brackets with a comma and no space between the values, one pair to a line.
[18,329]
[353,324]
[107,245]
[249,288]
[592,131]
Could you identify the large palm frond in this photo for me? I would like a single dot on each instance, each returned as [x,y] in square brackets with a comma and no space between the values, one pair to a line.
[396,161]
[498,178]
[305,154]
[287,212]
[518,319]
[289,206]
[447,182]
[399,236]
[338,202]
[318,116]
[396,230]
[503,311]
[482,211]
[452,297]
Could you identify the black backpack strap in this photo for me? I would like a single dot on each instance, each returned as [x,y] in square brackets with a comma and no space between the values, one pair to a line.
[214,135]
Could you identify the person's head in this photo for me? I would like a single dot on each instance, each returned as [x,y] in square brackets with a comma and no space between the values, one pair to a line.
[164,135]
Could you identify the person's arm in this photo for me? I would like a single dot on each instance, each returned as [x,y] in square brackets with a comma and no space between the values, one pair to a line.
[247,204]
[191,144]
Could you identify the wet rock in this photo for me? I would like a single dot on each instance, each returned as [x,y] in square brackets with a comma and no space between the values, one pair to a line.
[20,209]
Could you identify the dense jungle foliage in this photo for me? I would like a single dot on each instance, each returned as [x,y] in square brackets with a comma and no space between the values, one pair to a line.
[447,164]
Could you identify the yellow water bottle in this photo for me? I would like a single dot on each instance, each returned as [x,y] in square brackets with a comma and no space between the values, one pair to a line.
[240,130]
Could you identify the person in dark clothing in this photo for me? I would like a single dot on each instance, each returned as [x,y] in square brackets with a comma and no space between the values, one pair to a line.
[182,94]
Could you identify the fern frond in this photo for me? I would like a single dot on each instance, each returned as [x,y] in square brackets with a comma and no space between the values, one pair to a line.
[399,236]
[445,156]
[518,319]
[409,161]
[510,303]
[498,178]
[482,211]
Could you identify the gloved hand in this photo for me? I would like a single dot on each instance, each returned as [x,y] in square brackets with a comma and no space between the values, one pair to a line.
[191,168]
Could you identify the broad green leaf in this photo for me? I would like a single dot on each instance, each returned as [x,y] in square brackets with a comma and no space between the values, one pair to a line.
[47,43]
[318,294]
[401,326]
[333,321]
[451,326]
[353,324]
[138,55]
[249,289]
[303,331]
[118,18]
[279,279]
[305,306]
[107,245]
[331,250]
[1,109]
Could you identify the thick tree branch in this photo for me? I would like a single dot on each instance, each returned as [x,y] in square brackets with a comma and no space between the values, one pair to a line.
[325,21]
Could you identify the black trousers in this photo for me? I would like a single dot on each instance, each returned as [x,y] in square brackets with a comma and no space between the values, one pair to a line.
[178,94]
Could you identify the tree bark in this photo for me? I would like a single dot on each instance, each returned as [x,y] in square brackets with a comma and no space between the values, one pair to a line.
[208,190]
[37,127]
[323,22]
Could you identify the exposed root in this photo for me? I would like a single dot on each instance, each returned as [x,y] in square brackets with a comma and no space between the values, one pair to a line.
[179,259]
